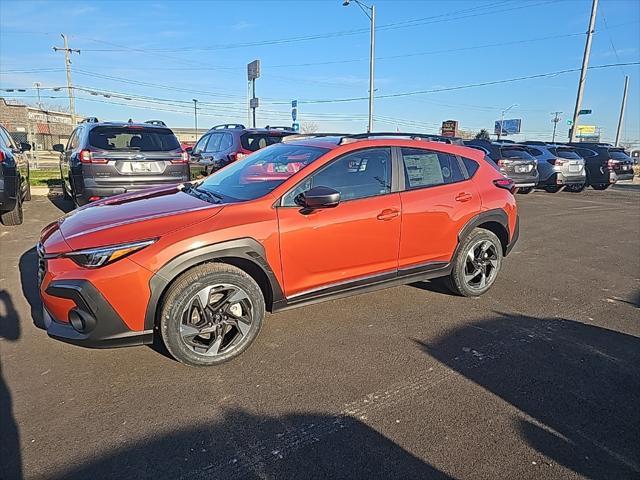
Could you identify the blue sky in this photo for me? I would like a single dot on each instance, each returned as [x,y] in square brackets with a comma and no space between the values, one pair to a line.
[154,57]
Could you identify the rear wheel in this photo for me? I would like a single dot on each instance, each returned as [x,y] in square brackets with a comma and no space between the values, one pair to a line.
[600,186]
[15,216]
[65,192]
[526,190]
[211,314]
[552,188]
[27,193]
[476,265]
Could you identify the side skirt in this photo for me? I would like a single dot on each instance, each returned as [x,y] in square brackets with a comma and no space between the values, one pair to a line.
[365,285]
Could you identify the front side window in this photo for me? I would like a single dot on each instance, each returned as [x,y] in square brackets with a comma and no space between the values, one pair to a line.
[73,140]
[219,142]
[199,147]
[361,174]
[425,168]
[260,172]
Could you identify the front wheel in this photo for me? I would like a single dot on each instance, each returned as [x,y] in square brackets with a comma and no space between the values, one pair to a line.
[476,265]
[211,314]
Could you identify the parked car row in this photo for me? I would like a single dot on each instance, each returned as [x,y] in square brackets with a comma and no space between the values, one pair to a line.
[14,178]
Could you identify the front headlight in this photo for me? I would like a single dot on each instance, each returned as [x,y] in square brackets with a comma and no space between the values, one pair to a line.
[98,257]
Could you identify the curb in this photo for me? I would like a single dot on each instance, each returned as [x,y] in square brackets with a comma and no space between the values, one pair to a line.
[45,191]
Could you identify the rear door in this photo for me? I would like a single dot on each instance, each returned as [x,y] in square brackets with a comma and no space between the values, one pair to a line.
[437,200]
[357,240]
[125,155]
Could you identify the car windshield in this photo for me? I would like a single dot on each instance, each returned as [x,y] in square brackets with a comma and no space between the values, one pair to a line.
[619,155]
[144,139]
[261,172]
[517,153]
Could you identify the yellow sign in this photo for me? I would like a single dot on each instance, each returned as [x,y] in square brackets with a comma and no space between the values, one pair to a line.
[586,129]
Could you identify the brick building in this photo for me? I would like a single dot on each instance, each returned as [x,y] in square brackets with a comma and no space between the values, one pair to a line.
[41,128]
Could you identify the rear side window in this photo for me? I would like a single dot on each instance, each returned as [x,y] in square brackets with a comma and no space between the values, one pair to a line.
[619,155]
[424,168]
[256,141]
[133,138]
[219,142]
[471,166]
[73,140]
[4,138]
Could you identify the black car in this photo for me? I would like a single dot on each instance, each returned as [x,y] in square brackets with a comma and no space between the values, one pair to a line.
[108,158]
[605,163]
[227,143]
[513,160]
[14,178]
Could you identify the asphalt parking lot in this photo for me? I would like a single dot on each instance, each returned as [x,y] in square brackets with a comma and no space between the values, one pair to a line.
[539,378]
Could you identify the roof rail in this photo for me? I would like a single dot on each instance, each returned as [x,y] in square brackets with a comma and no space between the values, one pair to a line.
[412,136]
[299,136]
[536,142]
[158,123]
[275,127]
[228,126]
[89,120]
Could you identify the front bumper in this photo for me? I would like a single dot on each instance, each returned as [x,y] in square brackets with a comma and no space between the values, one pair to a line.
[92,322]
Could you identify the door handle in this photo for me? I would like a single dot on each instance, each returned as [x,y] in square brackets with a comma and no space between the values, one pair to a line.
[388,214]
[463,197]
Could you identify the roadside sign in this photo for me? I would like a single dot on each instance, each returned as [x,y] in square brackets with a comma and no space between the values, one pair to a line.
[450,128]
[294,103]
[254,102]
[296,127]
[253,70]
[294,114]
[585,130]
[509,127]
[584,112]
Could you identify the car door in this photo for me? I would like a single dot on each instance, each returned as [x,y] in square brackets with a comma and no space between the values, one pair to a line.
[66,158]
[356,240]
[437,200]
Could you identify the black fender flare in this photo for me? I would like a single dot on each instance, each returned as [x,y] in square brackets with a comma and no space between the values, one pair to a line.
[247,249]
[496,215]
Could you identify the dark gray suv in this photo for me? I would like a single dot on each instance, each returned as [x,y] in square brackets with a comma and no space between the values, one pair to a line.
[108,158]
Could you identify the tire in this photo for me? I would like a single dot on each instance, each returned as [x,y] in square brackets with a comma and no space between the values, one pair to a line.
[525,191]
[182,320]
[458,281]
[600,186]
[27,194]
[575,188]
[65,192]
[13,217]
[552,188]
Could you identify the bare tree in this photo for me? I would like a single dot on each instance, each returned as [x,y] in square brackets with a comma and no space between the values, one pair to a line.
[309,127]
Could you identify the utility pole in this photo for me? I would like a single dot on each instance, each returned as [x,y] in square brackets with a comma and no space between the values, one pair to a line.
[67,60]
[583,72]
[195,115]
[622,108]
[501,129]
[38,85]
[555,120]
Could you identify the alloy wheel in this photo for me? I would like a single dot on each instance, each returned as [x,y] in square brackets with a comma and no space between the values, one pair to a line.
[481,265]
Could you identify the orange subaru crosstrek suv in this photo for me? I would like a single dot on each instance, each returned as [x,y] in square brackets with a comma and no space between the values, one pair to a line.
[310,219]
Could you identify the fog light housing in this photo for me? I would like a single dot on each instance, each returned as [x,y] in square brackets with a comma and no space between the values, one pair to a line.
[81,321]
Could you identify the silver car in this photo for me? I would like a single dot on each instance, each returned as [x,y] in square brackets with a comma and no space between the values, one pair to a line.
[559,166]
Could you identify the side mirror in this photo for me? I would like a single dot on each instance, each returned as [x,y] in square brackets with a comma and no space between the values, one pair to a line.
[25,147]
[318,197]
[58,147]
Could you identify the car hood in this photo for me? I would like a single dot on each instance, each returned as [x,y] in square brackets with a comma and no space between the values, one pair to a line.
[133,216]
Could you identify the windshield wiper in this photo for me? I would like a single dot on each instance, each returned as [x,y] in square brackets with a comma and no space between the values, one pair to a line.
[210,194]
[198,192]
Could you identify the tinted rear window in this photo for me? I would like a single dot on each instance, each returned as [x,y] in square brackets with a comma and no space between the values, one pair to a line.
[566,153]
[133,138]
[472,166]
[516,153]
[256,141]
[619,155]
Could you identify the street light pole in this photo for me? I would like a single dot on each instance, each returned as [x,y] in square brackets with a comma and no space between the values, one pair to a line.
[38,85]
[555,120]
[195,116]
[622,109]
[370,12]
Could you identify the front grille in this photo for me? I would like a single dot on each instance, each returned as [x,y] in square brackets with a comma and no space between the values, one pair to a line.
[42,263]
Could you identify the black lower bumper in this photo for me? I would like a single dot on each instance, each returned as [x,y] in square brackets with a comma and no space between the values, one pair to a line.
[94,323]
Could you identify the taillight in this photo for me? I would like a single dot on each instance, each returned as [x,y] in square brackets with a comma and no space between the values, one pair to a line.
[183,158]
[610,164]
[86,156]
[505,183]
[1,156]
[560,162]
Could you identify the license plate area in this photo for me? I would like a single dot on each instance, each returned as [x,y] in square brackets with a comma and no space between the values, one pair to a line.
[522,168]
[140,167]
[574,168]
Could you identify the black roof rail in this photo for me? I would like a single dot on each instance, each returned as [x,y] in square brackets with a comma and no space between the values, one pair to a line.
[228,126]
[412,136]
[90,120]
[504,140]
[535,142]
[158,123]
[277,127]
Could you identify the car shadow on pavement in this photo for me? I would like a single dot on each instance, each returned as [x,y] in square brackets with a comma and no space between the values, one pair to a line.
[246,446]
[10,458]
[436,285]
[577,385]
[61,203]
[28,266]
